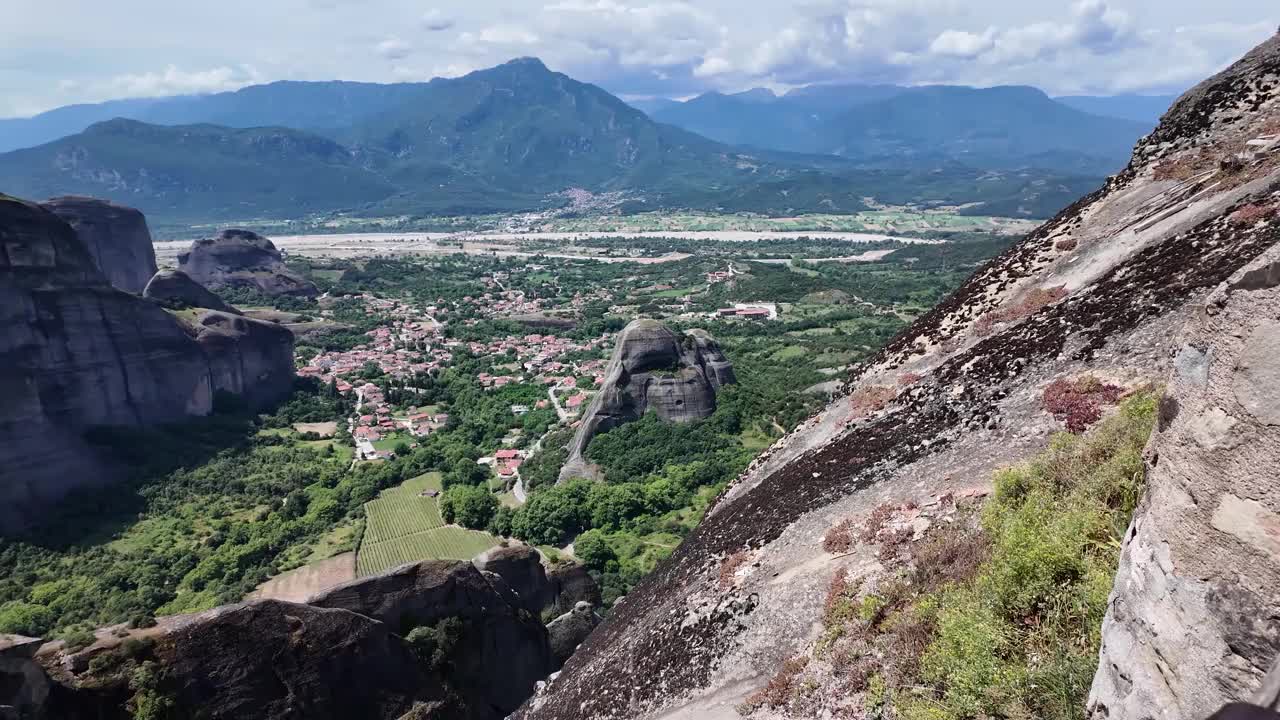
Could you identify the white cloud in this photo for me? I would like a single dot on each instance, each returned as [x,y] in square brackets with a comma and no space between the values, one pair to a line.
[54,53]
[962,44]
[394,49]
[175,81]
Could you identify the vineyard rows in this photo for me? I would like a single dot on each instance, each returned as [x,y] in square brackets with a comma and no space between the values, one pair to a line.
[445,543]
[403,526]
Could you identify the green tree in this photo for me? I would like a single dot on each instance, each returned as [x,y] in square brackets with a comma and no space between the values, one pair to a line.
[468,506]
[593,550]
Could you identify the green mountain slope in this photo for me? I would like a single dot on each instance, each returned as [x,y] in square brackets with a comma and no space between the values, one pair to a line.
[198,171]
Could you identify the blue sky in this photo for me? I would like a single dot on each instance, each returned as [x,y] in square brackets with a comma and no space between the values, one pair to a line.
[57,52]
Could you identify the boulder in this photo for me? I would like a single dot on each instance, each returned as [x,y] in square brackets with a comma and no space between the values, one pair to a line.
[242,259]
[652,368]
[501,638]
[116,237]
[520,566]
[176,289]
[570,585]
[569,630]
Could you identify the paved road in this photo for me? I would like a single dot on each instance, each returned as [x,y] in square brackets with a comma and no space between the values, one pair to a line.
[564,414]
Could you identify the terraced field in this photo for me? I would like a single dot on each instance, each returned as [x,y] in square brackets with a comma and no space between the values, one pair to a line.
[403,526]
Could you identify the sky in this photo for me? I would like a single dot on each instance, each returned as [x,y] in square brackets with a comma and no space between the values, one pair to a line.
[59,52]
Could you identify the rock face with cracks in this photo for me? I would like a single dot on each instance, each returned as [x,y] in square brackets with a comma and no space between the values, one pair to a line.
[1192,620]
[652,368]
[1100,289]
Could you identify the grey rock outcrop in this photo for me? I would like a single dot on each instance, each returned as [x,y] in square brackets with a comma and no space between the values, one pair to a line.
[570,585]
[1192,622]
[77,353]
[242,259]
[23,684]
[248,358]
[174,288]
[652,368]
[261,660]
[502,639]
[569,630]
[520,566]
[117,238]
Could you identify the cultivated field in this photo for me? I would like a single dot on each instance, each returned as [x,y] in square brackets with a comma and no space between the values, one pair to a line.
[403,526]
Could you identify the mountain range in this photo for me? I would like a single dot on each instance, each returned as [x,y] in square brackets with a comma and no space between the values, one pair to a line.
[996,127]
[517,136]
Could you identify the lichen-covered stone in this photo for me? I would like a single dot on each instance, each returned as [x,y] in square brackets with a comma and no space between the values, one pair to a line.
[652,368]
[242,259]
[116,236]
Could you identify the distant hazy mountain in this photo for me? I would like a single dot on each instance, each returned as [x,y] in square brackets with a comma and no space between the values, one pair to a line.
[302,105]
[994,127]
[885,124]
[1139,108]
[512,138]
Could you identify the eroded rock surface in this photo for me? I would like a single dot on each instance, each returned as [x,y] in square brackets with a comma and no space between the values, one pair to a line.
[652,368]
[1194,619]
[117,238]
[242,259]
[176,289]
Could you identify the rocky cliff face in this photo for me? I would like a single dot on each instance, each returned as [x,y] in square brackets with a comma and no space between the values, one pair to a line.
[116,237]
[242,259]
[652,368]
[1100,289]
[76,352]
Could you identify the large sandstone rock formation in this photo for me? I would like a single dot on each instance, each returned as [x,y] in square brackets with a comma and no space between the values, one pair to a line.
[77,353]
[117,238]
[242,259]
[176,289]
[652,368]
[1100,289]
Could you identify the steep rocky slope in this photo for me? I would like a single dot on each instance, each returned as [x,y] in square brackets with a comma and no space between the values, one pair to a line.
[76,353]
[242,259]
[117,237]
[652,368]
[1098,290]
